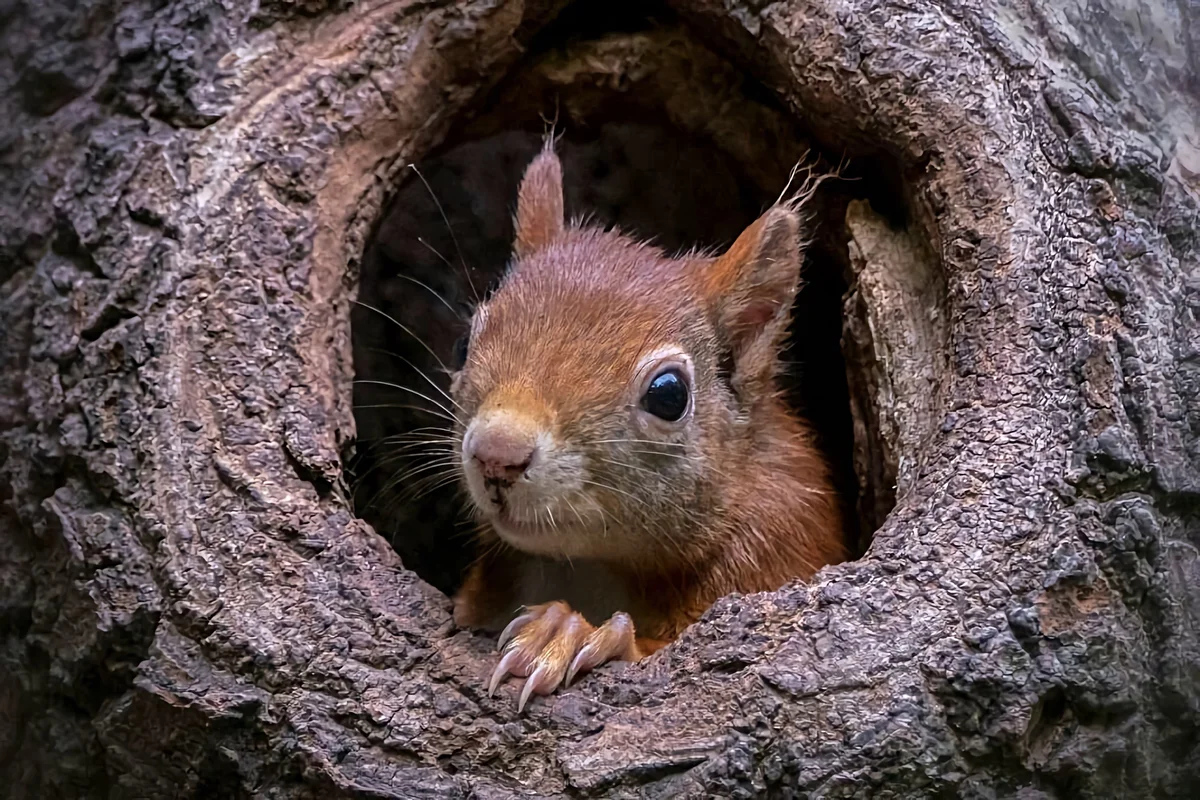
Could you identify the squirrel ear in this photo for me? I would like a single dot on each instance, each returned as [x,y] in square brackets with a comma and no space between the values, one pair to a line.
[751,288]
[539,204]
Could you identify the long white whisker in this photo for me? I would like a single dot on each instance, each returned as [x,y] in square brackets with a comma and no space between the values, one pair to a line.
[682,457]
[409,474]
[437,253]
[418,439]
[427,287]
[390,497]
[430,490]
[410,390]
[628,466]
[415,437]
[404,328]
[404,406]
[615,489]
[449,229]
[417,450]
[571,506]
[420,372]
[440,457]
[400,480]
[636,441]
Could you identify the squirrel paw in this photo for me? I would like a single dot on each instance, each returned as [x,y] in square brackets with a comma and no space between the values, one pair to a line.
[549,644]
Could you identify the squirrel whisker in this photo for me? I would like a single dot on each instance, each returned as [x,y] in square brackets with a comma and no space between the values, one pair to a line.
[475,530]
[375,467]
[449,229]
[391,463]
[627,466]
[447,441]
[571,506]
[424,458]
[423,447]
[432,432]
[427,434]
[404,328]
[456,312]
[430,490]
[636,441]
[419,371]
[403,406]
[683,457]
[409,474]
[435,251]
[410,391]
[416,489]
[685,512]
[614,489]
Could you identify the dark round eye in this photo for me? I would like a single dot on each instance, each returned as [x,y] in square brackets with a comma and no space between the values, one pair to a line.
[667,396]
[460,351]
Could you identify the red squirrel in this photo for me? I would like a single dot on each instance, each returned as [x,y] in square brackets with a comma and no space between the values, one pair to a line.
[624,442]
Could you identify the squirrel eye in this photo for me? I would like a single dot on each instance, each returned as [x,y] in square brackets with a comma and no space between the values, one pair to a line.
[460,351]
[667,396]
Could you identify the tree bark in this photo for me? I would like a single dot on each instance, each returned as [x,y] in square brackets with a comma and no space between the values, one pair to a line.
[189,606]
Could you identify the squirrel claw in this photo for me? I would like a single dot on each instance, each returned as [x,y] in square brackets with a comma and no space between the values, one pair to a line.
[511,629]
[549,643]
[614,639]
[502,670]
[541,681]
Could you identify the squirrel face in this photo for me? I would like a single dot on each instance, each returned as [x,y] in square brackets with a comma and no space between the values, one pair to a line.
[608,392]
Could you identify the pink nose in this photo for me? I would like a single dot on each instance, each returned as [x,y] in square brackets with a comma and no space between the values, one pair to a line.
[502,455]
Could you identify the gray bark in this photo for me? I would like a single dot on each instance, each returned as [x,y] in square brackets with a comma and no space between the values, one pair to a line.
[189,606]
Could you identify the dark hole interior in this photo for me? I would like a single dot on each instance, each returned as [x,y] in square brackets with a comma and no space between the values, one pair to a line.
[634,157]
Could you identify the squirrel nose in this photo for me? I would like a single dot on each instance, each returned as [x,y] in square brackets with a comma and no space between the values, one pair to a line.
[502,455]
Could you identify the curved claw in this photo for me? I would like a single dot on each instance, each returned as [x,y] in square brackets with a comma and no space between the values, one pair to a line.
[502,669]
[615,639]
[550,645]
[540,681]
[513,628]
[584,660]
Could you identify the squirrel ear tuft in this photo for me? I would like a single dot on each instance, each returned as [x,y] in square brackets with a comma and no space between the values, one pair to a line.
[539,217]
[751,289]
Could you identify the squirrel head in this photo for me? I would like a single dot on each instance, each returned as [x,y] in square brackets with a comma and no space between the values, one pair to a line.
[608,392]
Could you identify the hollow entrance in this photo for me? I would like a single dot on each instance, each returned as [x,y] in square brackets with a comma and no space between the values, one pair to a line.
[661,138]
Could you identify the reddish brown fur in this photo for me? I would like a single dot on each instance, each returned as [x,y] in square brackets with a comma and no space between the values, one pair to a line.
[542,198]
[736,500]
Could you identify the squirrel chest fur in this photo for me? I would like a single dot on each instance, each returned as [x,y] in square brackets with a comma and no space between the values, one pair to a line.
[624,442]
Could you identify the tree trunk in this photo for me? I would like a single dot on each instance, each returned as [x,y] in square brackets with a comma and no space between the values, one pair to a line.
[190,607]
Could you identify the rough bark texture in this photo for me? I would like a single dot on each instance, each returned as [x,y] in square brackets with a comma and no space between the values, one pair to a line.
[189,607]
